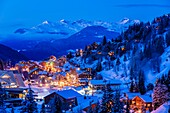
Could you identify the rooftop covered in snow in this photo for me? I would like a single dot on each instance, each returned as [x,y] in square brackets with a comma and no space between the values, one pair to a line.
[103,82]
[67,94]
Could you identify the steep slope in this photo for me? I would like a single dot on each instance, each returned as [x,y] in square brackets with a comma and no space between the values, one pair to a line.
[7,53]
[142,48]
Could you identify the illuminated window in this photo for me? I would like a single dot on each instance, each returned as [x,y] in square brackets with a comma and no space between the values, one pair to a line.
[148,105]
[133,102]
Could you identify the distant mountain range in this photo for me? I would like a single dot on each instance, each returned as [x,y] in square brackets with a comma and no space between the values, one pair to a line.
[55,38]
[64,28]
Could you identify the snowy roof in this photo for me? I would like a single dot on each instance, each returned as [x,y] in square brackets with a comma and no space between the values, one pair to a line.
[67,94]
[132,95]
[7,73]
[84,103]
[42,72]
[83,80]
[101,82]
[15,89]
[145,98]
[32,70]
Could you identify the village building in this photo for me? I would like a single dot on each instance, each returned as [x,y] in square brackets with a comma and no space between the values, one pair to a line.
[14,96]
[68,98]
[84,78]
[11,79]
[100,84]
[84,104]
[141,102]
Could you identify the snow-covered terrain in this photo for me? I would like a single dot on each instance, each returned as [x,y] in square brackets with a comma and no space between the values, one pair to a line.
[64,28]
[163,108]
[164,67]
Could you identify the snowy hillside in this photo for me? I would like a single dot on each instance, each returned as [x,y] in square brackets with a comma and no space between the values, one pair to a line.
[164,67]
[143,48]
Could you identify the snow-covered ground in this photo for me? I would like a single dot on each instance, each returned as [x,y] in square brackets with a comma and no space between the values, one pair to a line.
[164,67]
[163,108]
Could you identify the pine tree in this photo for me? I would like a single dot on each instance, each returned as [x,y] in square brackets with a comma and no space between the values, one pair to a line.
[162,79]
[118,62]
[117,108]
[107,100]
[125,58]
[136,86]
[131,73]
[148,50]
[168,39]
[159,45]
[70,55]
[104,103]
[29,105]
[126,106]
[150,86]
[1,65]
[104,40]
[160,95]
[43,108]
[141,84]
[2,96]
[131,86]
[99,67]
[167,81]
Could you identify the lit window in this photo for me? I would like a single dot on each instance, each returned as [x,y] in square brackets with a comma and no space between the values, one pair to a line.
[148,105]
[133,102]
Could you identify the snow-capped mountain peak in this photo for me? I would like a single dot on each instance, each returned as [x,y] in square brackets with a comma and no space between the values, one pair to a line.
[128,21]
[45,22]
[64,28]
[124,21]
[63,21]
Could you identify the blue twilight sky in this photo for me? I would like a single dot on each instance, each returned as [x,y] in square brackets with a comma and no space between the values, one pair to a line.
[16,13]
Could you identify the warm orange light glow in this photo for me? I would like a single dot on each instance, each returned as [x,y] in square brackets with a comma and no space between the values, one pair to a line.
[5,76]
[40,84]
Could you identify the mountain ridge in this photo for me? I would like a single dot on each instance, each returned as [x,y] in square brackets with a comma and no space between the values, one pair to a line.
[65,27]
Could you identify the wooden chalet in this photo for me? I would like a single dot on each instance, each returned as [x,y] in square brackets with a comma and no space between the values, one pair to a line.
[16,92]
[142,102]
[14,96]
[68,98]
